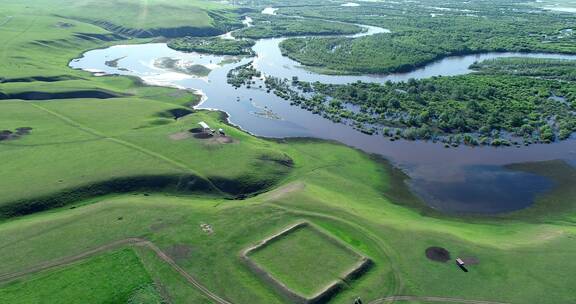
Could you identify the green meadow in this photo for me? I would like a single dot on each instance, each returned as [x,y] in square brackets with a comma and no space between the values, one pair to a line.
[305,260]
[93,171]
[94,280]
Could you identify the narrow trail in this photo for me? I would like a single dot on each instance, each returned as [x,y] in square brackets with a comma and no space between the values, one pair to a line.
[8,42]
[110,246]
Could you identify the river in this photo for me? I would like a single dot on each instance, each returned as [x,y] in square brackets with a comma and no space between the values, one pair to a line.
[456,180]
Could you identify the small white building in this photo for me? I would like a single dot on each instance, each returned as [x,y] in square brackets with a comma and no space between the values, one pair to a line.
[205,127]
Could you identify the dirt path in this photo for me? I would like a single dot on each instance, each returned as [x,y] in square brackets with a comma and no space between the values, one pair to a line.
[392,299]
[6,20]
[117,244]
[283,191]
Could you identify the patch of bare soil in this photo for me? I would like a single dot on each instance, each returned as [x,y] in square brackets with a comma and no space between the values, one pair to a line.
[180,135]
[471,260]
[285,191]
[224,140]
[179,252]
[203,135]
[438,254]
[158,226]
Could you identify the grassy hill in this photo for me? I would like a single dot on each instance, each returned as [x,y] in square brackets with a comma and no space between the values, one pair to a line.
[135,18]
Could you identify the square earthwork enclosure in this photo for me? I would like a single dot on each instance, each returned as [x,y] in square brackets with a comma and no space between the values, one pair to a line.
[305,264]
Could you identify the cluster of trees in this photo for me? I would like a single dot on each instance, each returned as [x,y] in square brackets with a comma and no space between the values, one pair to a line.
[484,107]
[417,38]
[213,45]
[545,68]
[281,26]
[472,109]
[242,75]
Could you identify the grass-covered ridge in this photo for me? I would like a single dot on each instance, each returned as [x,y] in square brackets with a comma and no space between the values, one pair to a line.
[151,18]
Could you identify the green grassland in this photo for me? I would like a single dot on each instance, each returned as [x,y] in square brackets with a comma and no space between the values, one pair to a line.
[135,18]
[94,280]
[102,170]
[305,260]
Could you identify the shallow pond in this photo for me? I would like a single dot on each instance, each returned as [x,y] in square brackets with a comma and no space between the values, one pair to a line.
[465,179]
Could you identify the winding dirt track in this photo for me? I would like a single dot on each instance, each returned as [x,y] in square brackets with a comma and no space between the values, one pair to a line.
[164,257]
[129,241]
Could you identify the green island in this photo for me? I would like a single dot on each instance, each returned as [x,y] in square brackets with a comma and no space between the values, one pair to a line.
[113,192]
[269,26]
[243,75]
[216,46]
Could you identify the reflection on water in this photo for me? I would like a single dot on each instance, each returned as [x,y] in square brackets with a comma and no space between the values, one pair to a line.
[466,179]
[474,189]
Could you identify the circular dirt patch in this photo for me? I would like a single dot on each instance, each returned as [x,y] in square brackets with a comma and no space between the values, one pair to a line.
[225,140]
[203,135]
[179,136]
[438,254]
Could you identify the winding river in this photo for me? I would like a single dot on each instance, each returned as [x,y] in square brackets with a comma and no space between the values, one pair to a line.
[461,180]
